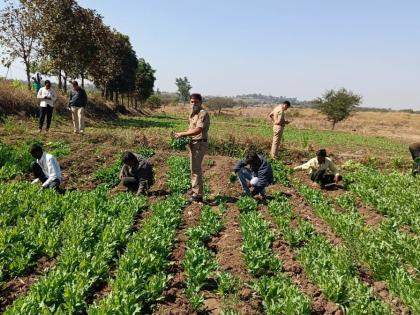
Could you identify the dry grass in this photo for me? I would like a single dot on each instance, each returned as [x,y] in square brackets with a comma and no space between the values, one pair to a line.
[21,102]
[401,126]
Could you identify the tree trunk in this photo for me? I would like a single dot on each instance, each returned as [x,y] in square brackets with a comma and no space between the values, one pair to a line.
[28,77]
[28,74]
[83,79]
[65,83]
[60,82]
[333,125]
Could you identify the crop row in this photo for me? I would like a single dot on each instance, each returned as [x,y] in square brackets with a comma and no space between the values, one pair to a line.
[141,274]
[395,195]
[280,295]
[200,264]
[371,245]
[92,232]
[330,268]
[30,225]
[178,174]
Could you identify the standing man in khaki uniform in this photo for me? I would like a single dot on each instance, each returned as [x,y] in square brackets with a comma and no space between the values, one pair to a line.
[277,116]
[199,124]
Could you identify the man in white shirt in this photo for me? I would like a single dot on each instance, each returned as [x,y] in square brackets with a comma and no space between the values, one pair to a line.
[47,96]
[321,169]
[46,168]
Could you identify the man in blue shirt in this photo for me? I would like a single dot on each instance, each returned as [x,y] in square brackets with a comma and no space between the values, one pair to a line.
[256,172]
[77,104]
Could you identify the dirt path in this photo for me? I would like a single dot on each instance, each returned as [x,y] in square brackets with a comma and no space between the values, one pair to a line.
[229,256]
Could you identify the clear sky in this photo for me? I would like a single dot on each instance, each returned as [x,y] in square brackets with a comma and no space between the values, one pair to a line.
[292,48]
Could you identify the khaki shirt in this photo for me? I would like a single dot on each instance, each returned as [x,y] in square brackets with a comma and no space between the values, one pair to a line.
[278,116]
[313,165]
[201,119]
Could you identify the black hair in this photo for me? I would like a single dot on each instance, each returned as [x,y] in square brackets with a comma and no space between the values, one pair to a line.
[47,81]
[35,148]
[196,96]
[321,153]
[75,83]
[252,157]
[128,157]
[287,103]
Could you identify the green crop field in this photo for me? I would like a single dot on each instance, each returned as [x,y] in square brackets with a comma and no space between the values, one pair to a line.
[99,250]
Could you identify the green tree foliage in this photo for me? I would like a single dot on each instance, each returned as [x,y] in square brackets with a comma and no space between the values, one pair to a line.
[154,102]
[218,103]
[124,79]
[337,105]
[18,36]
[145,81]
[184,88]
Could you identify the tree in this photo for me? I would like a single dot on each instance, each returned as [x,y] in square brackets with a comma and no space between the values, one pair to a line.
[59,33]
[19,36]
[218,103]
[184,88]
[126,62]
[154,102]
[145,81]
[337,105]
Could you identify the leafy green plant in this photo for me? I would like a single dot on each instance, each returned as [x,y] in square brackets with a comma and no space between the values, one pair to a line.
[233,178]
[179,177]
[257,241]
[227,283]
[247,204]
[179,143]
[281,296]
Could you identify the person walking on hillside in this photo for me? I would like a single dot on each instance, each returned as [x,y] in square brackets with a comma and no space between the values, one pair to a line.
[415,154]
[322,169]
[255,171]
[46,168]
[279,121]
[47,96]
[77,104]
[199,124]
[136,173]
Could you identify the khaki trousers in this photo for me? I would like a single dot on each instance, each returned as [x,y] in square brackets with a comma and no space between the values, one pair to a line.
[78,116]
[277,134]
[197,151]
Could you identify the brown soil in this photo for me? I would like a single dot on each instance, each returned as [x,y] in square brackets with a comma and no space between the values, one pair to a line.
[229,256]
[18,286]
[320,303]
[304,210]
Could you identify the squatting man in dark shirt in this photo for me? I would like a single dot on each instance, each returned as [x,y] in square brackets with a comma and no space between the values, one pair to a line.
[254,172]
[136,173]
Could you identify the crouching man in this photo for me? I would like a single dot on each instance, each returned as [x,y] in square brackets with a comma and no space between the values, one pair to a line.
[136,173]
[46,168]
[256,172]
[415,154]
[322,169]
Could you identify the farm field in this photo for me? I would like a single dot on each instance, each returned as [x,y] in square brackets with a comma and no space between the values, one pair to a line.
[99,250]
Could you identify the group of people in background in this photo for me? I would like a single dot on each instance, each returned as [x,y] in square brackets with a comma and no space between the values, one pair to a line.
[76,104]
[255,173]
